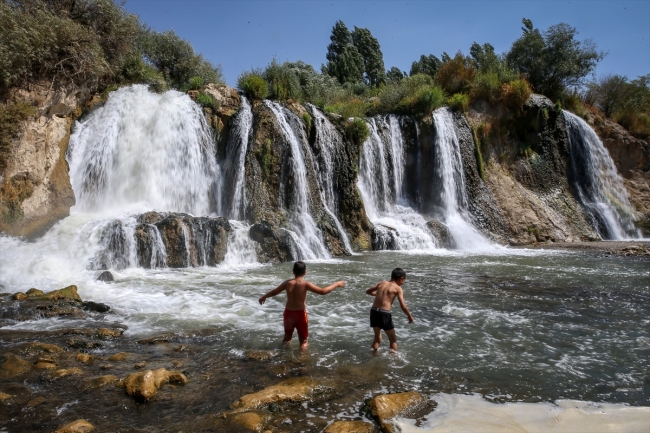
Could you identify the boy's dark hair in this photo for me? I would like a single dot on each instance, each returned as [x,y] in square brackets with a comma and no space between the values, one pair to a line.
[299,269]
[397,274]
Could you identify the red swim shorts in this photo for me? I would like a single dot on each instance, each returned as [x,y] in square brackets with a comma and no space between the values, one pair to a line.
[296,319]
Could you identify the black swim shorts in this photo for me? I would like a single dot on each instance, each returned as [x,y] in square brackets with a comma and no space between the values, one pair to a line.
[382,319]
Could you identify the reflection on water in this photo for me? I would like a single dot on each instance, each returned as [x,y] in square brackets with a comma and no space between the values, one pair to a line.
[513,325]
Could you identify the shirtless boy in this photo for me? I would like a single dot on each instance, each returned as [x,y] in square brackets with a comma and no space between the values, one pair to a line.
[295,312]
[380,315]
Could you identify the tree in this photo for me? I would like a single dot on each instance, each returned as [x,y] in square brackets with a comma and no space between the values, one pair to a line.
[609,93]
[553,60]
[428,65]
[343,59]
[483,57]
[395,75]
[373,59]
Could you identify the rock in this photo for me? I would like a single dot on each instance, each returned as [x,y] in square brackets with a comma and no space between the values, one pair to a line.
[350,427]
[96,306]
[74,371]
[78,426]
[4,396]
[388,406]
[37,348]
[98,382]
[20,296]
[67,293]
[441,233]
[84,358]
[260,355]
[294,390]
[273,245]
[141,364]
[119,357]
[252,420]
[35,402]
[105,276]
[35,292]
[80,343]
[13,365]
[45,363]
[178,364]
[144,385]
[108,334]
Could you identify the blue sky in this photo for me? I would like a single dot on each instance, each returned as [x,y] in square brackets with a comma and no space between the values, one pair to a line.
[249,33]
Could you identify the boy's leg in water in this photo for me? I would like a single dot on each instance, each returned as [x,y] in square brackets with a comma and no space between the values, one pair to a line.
[304,343]
[377,340]
[287,338]
[392,338]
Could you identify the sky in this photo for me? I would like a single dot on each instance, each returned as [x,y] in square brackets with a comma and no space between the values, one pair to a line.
[244,34]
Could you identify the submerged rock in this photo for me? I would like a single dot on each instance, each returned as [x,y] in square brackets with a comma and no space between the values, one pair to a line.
[84,358]
[78,426]
[96,307]
[98,382]
[63,372]
[4,396]
[45,363]
[12,366]
[252,420]
[260,355]
[105,276]
[388,406]
[36,348]
[118,357]
[350,427]
[144,385]
[295,390]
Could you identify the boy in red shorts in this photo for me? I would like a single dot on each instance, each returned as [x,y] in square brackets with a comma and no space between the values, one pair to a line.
[295,312]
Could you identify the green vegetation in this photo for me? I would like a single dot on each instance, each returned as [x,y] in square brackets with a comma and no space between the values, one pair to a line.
[459,102]
[195,83]
[307,119]
[11,116]
[253,85]
[357,131]
[207,101]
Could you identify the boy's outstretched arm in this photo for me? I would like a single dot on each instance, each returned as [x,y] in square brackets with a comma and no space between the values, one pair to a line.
[324,290]
[402,304]
[272,293]
[373,290]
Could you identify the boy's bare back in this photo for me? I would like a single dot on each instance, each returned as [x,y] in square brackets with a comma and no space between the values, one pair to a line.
[297,293]
[385,294]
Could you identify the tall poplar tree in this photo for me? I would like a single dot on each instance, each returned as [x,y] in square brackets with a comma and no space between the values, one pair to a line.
[373,58]
[343,59]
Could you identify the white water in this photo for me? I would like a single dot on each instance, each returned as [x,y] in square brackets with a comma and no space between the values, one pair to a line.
[235,161]
[147,151]
[458,413]
[599,186]
[241,248]
[307,237]
[381,173]
[449,171]
[327,139]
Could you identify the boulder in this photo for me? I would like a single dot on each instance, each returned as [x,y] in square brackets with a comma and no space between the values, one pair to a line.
[350,427]
[272,245]
[45,363]
[12,366]
[37,348]
[78,426]
[109,334]
[4,396]
[388,406]
[84,358]
[67,293]
[98,382]
[252,420]
[441,233]
[63,372]
[118,357]
[296,390]
[105,276]
[96,307]
[144,385]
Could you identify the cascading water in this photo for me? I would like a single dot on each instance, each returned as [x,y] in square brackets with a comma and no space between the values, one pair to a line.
[449,174]
[306,236]
[234,170]
[327,140]
[381,172]
[598,185]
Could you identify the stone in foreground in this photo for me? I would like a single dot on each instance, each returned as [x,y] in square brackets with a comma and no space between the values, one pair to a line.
[295,390]
[78,426]
[144,385]
[388,406]
[253,420]
[350,427]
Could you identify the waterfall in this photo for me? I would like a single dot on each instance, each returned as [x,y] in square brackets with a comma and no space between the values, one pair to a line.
[305,233]
[381,173]
[234,171]
[327,140]
[449,175]
[598,185]
[241,248]
[144,150]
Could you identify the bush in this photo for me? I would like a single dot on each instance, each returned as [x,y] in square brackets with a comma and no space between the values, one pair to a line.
[207,101]
[283,83]
[195,83]
[459,102]
[135,70]
[456,75]
[515,94]
[253,85]
[357,131]
[11,117]
[307,119]
[350,107]
[637,123]
[486,86]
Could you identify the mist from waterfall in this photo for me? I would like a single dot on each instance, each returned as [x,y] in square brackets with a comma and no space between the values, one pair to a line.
[598,185]
[451,181]
[307,237]
[381,172]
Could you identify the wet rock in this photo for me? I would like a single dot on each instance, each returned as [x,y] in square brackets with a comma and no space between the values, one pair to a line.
[252,420]
[98,382]
[67,293]
[4,396]
[273,245]
[84,358]
[20,296]
[294,390]
[105,276]
[178,364]
[141,364]
[441,233]
[109,334]
[144,385]
[388,406]
[119,357]
[37,348]
[35,402]
[78,426]
[45,363]
[96,307]
[260,355]
[63,372]
[35,292]
[164,338]
[80,343]
[12,365]
[350,427]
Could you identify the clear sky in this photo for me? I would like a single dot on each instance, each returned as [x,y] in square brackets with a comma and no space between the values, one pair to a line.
[249,33]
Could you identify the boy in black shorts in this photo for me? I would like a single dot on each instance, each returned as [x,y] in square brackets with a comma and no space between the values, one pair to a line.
[380,315]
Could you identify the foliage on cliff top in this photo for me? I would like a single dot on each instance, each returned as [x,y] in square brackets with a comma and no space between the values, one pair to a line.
[11,116]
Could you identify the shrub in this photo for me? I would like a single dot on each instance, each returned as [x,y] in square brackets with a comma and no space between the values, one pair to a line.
[253,85]
[207,101]
[459,102]
[12,194]
[307,119]
[456,75]
[515,93]
[283,83]
[357,131]
[11,117]
[349,107]
[486,86]
[195,83]
[135,70]
[637,123]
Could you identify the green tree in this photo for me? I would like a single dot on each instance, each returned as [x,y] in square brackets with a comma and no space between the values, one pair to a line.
[395,75]
[373,59]
[609,93]
[344,62]
[428,65]
[553,60]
